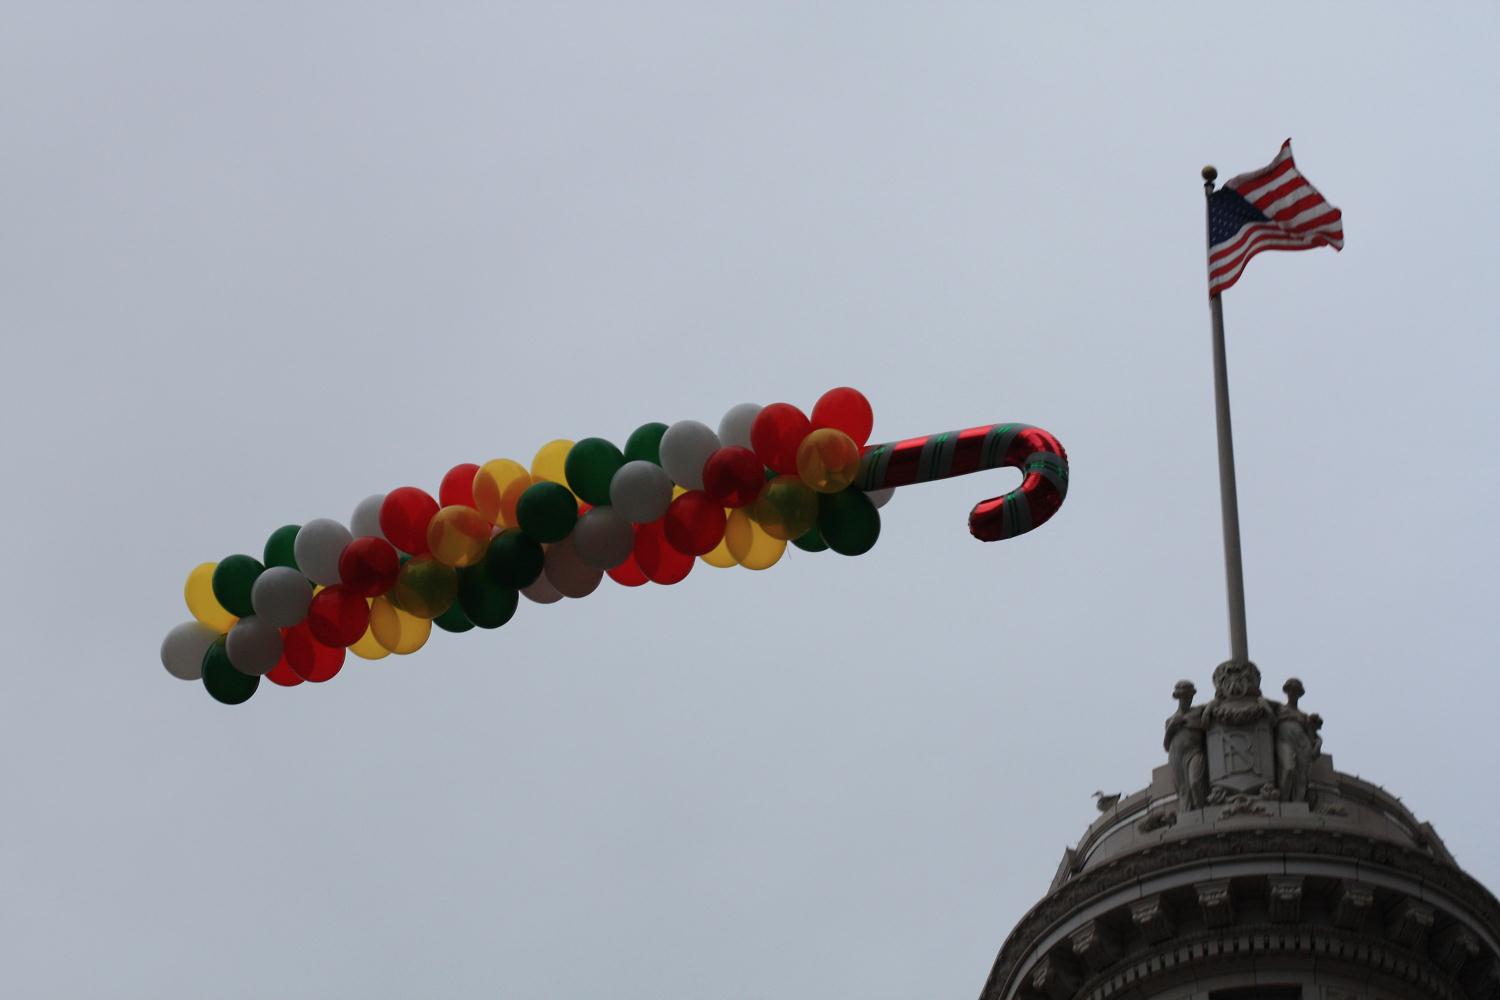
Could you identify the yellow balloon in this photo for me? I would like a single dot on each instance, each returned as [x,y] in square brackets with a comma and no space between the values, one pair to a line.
[549,461]
[199,594]
[396,630]
[498,485]
[369,648]
[720,556]
[828,460]
[749,543]
[458,536]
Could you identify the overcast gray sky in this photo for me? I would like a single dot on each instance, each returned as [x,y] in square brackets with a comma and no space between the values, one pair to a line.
[260,260]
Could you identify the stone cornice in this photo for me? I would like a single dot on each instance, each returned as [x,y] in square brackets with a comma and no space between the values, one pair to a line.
[1121,872]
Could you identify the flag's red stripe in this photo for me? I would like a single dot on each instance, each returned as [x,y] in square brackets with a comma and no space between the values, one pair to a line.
[1267,242]
[1246,234]
[1296,208]
[1318,221]
[1252,232]
[1252,183]
[1280,191]
[1218,280]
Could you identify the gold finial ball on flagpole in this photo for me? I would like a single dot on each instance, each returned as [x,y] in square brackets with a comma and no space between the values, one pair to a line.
[1210,174]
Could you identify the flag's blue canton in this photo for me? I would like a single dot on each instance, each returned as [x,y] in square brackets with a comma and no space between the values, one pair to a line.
[1228,212]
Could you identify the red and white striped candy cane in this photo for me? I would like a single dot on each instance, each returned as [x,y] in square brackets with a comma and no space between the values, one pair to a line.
[1036,453]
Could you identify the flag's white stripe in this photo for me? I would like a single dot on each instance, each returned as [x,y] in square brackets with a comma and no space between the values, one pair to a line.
[1254,175]
[1219,256]
[1322,208]
[1221,252]
[1277,243]
[1256,189]
[1258,241]
[1290,198]
[1230,276]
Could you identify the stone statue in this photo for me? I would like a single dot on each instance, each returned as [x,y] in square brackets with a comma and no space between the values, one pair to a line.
[1241,746]
[1184,744]
[1294,745]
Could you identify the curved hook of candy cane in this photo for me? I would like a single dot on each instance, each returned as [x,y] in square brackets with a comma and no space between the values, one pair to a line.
[1036,453]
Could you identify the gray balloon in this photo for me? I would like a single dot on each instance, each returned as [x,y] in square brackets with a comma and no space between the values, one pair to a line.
[366,519]
[734,429]
[568,574]
[603,538]
[542,591]
[183,648]
[881,497]
[640,491]
[684,448]
[280,596]
[254,646]
[317,549]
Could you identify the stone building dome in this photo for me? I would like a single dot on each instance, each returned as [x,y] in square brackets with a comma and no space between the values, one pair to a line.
[1250,868]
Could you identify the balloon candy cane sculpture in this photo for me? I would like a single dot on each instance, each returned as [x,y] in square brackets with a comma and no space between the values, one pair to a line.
[500,531]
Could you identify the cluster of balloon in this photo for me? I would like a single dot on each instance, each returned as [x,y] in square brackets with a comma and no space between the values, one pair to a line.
[674,495]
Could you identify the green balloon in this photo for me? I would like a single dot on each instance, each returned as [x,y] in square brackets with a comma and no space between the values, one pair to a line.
[223,682]
[485,602]
[848,522]
[812,541]
[514,560]
[547,511]
[453,620]
[644,443]
[233,579]
[590,465]
[279,547]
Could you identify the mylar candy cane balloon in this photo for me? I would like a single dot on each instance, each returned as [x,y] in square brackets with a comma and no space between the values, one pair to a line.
[673,496]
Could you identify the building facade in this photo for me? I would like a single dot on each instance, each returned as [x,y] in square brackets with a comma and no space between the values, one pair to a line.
[1251,869]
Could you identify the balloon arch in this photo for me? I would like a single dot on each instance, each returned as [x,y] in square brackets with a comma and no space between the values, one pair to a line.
[500,531]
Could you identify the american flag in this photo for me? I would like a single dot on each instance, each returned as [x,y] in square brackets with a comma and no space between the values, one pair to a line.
[1273,208]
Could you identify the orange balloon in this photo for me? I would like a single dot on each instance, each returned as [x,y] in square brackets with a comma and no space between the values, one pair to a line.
[458,536]
[828,460]
[498,485]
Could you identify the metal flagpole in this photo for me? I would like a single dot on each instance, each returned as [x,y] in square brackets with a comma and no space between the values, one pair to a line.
[1234,573]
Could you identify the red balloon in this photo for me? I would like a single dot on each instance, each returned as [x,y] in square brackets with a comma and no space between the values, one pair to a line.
[368,566]
[733,476]
[845,409]
[694,523]
[338,616]
[659,561]
[283,673]
[457,487]
[311,659]
[404,516]
[775,435]
[627,574]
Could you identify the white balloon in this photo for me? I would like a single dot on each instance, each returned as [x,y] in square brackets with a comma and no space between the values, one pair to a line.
[640,491]
[542,591]
[684,448]
[183,649]
[317,548]
[603,538]
[254,646]
[881,497]
[280,596]
[734,429]
[569,575]
[366,519]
